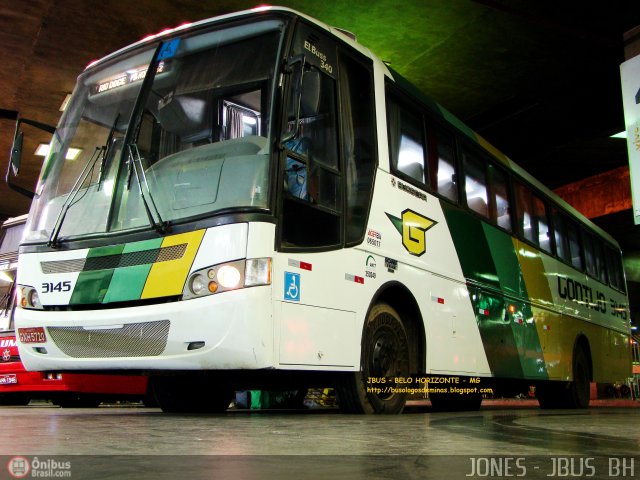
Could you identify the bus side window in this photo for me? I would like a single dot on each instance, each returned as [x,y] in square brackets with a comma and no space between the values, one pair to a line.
[542,223]
[614,268]
[560,232]
[601,265]
[594,256]
[526,226]
[406,141]
[442,171]
[573,235]
[499,189]
[590,261]
[475,184]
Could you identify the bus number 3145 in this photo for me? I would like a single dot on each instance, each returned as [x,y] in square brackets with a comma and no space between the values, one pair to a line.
[56,287]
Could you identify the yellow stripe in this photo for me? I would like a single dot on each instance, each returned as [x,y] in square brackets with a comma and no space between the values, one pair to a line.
[533,272]
[167,278]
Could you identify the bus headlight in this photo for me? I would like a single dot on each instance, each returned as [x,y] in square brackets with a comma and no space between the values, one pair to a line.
[28,297]
[197,284]
[228,276]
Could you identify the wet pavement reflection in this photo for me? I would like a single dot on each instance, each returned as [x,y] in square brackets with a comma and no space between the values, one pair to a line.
[141,431]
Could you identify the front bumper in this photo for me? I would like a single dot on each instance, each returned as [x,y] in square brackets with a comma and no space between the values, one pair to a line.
[231,330]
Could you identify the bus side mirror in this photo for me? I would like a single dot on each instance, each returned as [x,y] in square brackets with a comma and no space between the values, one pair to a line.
[15,157]
[16,153]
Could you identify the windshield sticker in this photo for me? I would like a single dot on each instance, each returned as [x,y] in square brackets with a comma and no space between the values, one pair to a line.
[413,228]
[168,49]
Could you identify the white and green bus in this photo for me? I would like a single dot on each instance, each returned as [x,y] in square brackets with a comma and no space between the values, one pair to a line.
[257,201]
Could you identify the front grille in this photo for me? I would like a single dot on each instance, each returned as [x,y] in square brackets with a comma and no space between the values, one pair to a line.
[130,259]
[147,339]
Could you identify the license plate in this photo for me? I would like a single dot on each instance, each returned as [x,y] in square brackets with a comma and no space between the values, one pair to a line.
[32,335]
[9,379]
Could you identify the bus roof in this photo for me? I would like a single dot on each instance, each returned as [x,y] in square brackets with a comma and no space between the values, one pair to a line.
[434,106]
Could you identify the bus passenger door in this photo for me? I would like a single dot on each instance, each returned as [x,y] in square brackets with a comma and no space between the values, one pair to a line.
[312,326]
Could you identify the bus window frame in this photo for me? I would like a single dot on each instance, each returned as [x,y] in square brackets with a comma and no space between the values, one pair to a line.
[347,53]
[283,198]
[474,155]
[392,92]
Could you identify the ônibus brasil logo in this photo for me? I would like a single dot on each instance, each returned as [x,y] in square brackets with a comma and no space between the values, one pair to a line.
[19,467]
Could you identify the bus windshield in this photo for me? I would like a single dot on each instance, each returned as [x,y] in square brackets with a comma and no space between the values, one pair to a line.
[192,140]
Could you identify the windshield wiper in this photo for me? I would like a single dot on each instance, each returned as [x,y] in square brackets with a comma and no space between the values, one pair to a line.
[70,201]
[107,153]
[136,169]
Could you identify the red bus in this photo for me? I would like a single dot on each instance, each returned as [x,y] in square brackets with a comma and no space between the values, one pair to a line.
[19,386]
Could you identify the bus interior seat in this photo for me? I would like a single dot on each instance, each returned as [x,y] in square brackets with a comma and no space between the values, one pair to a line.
[478,204]
[448,189]
[504,221]
[183,116]
[415,171]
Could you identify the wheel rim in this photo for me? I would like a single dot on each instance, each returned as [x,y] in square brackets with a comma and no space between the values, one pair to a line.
[383,354]
[384,361]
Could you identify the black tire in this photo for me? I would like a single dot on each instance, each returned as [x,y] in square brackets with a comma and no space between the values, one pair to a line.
[579,391]
[190,394]
[385,358]
[574,394]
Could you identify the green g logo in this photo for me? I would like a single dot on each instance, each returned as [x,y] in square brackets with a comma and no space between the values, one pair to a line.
[413,226]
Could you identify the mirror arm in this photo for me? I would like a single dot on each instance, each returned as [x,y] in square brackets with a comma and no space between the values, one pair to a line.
[17,188]
[34,123]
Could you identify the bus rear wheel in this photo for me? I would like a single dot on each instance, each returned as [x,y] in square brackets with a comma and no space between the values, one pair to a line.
[190,394]
[385,363]
[574,394]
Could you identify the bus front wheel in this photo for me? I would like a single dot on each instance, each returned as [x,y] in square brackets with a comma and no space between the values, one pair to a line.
[378,387]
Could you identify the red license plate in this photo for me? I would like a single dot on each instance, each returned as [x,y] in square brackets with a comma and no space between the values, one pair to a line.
[32,335]
[9,379]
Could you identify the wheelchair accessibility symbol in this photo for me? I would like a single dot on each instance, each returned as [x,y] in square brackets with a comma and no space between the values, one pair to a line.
[292,286]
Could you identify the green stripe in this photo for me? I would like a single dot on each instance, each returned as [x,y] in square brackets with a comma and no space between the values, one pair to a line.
[127,283]
[487,256]
[92,286]
[512,283]
[471,244]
